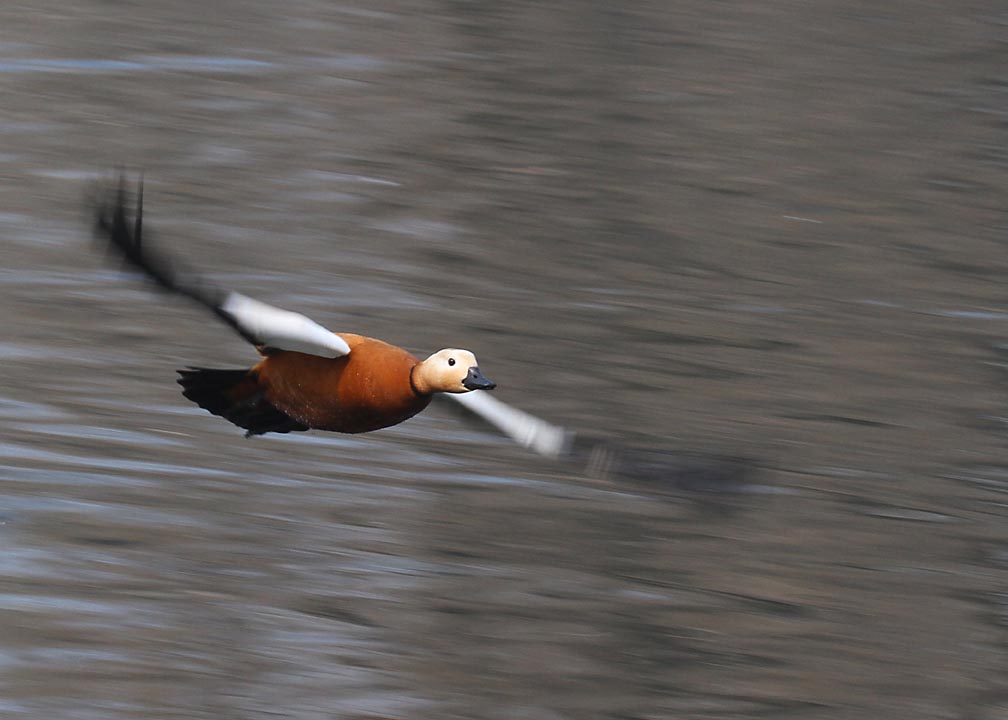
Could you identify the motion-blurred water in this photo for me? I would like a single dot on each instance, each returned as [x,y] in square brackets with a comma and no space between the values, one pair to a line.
[763,230]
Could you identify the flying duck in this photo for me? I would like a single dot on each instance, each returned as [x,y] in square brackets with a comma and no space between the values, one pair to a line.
[308,377]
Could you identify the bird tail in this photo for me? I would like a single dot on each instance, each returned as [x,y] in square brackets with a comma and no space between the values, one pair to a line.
[236,396]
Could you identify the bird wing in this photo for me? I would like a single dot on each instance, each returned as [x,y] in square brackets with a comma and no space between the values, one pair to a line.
[525,429]
[267,327]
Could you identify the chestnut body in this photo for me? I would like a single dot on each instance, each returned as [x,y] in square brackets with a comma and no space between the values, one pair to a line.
[366,390]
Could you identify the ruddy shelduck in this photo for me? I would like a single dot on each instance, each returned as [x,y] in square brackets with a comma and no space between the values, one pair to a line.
[309,377]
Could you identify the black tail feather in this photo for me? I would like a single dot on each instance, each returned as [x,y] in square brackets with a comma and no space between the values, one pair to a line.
[235,396]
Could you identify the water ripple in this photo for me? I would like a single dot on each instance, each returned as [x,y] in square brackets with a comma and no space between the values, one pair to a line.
[103,66]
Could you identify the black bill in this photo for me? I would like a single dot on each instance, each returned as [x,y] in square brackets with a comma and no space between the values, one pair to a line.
[475,380]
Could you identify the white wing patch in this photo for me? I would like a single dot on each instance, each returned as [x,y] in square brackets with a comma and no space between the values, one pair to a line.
[527,430]
[272,327]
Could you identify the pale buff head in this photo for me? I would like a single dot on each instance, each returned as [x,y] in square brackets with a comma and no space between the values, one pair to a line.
[450,370]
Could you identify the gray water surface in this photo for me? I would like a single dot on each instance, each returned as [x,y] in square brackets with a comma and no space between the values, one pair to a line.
[766,232]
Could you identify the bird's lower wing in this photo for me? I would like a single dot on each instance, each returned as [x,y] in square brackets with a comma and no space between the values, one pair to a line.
[527,430]
[265,326]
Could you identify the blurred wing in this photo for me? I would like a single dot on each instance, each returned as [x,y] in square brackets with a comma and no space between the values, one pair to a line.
[271,328]
[265,326]
[527,430]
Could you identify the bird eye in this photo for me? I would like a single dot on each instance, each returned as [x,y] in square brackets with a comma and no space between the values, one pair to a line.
[451,362]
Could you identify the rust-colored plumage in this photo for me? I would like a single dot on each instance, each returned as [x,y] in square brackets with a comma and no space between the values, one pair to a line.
[366,390]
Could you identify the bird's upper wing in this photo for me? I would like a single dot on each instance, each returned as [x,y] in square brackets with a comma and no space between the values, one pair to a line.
[271,328]
[265,326]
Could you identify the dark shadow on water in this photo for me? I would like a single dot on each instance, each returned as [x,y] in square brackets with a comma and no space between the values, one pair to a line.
[664,469]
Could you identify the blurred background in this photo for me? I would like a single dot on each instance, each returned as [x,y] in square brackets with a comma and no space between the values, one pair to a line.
[770,230]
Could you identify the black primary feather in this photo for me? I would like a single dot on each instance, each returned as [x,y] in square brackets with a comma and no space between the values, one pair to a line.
[112,222]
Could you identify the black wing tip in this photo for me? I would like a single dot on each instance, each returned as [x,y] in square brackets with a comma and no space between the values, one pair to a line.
[138,220]
[118,223]
[112,215]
